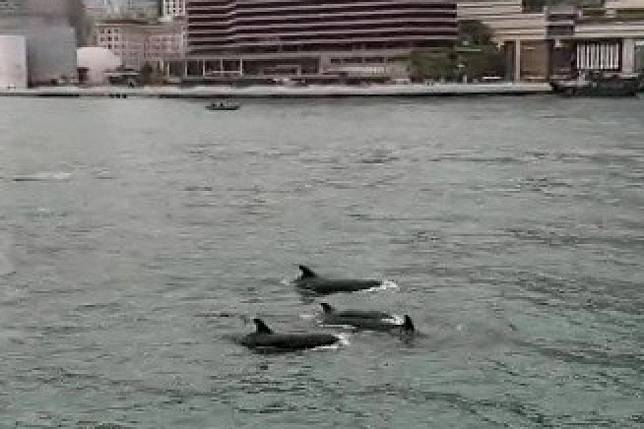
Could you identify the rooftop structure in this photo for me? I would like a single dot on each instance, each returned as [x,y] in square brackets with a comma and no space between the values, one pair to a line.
[8,6]
[99,8]
[173,8]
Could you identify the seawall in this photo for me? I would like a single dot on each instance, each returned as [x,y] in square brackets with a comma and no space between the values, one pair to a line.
[416,90]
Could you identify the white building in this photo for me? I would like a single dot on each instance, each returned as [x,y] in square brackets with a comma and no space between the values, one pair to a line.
[173,8]
[13,62]
[137,42]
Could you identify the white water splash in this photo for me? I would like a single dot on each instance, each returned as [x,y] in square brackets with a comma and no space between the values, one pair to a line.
[395,319]
[385,285]
[286,282]
[344,339]
[307,316]
[340,326]
[103,175]
[344,342]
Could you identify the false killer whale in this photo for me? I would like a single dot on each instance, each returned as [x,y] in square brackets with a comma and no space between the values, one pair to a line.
[310,281]
[265,339]
[369,320]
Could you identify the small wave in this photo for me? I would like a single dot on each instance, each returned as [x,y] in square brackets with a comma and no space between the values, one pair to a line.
[286,282]
[103,175]
[202,188]
[43,177]
[379,160]
[385,285]
[6,266]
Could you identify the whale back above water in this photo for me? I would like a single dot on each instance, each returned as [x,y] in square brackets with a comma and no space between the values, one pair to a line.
[360,314]
[265,339]
[311,281]
[366,319]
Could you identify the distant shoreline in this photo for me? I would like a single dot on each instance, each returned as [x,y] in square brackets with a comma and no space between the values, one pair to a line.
[313,91]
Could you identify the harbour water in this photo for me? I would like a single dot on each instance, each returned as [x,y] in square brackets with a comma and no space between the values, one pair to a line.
[138,236]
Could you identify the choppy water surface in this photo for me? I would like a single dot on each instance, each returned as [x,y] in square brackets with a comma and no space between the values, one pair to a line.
[134,233]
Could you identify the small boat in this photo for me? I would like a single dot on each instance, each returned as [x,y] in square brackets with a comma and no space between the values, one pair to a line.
[223,106]
[598,85]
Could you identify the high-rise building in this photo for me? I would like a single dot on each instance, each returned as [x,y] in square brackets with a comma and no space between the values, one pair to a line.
[315,37]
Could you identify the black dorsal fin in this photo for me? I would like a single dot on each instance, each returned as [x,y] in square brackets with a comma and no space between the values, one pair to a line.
[408,326]
[307,272]
[261,327]
[327,308]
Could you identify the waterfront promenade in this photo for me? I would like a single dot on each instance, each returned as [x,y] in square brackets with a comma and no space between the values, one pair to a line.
[448,89]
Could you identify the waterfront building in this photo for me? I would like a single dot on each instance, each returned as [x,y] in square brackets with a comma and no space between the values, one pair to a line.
[563,41]
[313,39]
[138,42]
[610,39]
[521,35]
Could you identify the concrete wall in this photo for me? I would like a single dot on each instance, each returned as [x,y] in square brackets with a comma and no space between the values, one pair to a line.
[51,54]
[13,62]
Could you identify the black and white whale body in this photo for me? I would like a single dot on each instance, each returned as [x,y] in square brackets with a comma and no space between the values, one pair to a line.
[369,320]
[265,339]
[312,282]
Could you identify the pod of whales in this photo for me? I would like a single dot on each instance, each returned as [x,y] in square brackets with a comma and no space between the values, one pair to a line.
[369,320]
[266,340]
[312,282]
